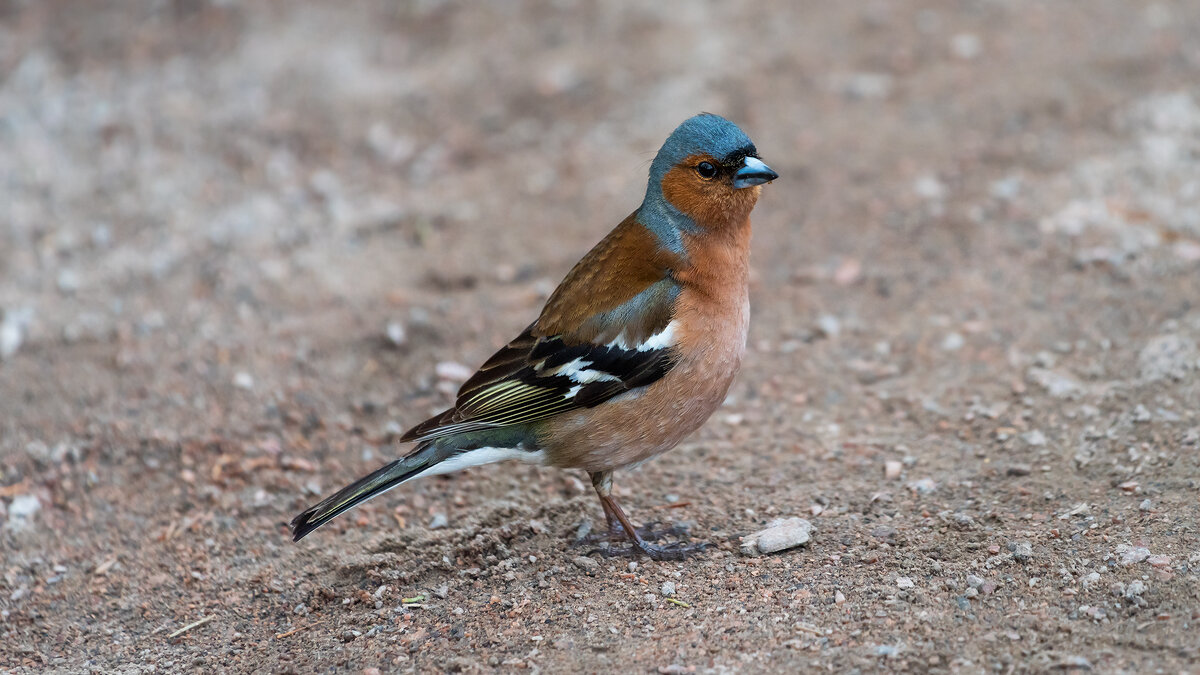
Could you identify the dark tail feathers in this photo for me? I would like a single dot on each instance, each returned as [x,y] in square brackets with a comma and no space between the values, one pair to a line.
[378,482]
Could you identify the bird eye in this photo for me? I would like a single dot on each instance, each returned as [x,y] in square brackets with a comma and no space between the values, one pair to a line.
[706,169]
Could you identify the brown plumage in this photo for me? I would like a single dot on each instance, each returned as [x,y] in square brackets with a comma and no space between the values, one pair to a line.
[633,351]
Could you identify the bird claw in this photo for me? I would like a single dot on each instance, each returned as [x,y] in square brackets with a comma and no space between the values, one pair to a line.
[648,532]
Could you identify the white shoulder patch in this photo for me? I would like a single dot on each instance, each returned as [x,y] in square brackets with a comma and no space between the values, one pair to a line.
[578,370]
[660,340]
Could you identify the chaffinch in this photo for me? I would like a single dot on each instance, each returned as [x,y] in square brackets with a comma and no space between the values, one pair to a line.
[633,351]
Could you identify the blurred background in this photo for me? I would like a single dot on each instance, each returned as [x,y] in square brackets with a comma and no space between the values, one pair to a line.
[243,244]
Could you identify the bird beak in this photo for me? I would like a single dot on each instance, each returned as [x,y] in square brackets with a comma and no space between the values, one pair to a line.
[753,172]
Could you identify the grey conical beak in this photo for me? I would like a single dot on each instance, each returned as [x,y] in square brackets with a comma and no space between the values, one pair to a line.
[753,172]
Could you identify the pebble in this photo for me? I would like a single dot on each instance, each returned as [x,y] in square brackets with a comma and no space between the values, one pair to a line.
[243,381]
[1159,560]
[779,535]
[454,372]
[438,521]
[953,342]
[929,187]
[966,46]
[974,581]
[1034,438]
[1022,551]
[1167,357]
[68,281]
[1058,385]
[586,564]
[1135,588]
[839,598]
[1130,555]
[14,324]
[395,333]
[925,486]
[1019,470]
[22,510]
[866,85]
[829,325]
[1141,414]
[1146,505]
[905,583]
[892,469]
[668,589]
[1091,579]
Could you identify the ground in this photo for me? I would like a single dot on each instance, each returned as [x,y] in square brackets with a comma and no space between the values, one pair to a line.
[245,243]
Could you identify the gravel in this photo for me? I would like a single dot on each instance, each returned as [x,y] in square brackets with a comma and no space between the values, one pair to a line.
[1167,357]
[193,190]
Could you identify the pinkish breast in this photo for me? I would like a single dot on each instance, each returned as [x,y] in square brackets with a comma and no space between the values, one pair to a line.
[636,426]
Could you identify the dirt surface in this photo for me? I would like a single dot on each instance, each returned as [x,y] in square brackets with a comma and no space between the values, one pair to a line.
[973,361]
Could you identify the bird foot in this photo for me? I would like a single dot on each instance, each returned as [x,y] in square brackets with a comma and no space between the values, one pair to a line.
[676,551]
[648,532]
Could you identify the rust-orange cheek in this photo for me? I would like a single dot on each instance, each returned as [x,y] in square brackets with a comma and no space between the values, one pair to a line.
[710,204]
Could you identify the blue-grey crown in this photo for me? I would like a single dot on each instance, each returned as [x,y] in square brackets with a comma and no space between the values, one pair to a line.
[704,133]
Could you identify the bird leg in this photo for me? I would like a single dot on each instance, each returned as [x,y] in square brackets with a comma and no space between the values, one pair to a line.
[618,524]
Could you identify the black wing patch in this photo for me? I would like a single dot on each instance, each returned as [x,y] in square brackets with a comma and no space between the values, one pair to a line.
[532,379]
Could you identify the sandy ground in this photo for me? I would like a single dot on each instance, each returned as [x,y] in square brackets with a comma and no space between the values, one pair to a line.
[973,360]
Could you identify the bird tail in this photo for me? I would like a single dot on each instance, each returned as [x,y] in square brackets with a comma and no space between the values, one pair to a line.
[380,481]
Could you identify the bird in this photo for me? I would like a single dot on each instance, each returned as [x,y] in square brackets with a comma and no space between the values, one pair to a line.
[632,352]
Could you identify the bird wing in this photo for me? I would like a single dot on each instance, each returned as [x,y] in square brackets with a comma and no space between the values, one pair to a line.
[606,330]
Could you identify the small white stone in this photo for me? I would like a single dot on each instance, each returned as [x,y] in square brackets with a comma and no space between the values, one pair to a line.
[668,589]
[953,342]
[905,583]
[780,534]
[892,469]
[22,510]
[14,325]
[966,46]
[243,380]
[1130,555]
[454,372]
[929,187]
[395,333]
[829,325]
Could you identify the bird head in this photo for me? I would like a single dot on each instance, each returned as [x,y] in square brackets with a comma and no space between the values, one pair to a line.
[709,171]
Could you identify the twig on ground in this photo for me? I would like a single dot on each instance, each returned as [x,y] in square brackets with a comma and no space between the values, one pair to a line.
[194,624]
[297,629]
